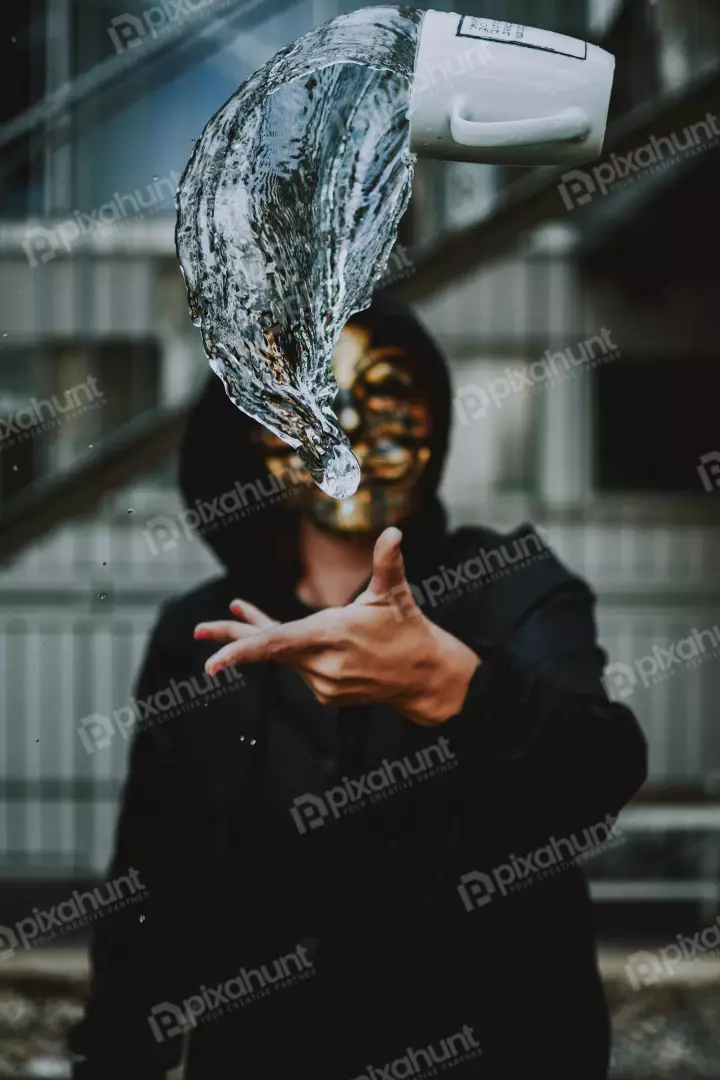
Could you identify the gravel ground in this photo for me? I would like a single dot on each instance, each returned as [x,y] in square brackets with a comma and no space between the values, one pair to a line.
[666,1031]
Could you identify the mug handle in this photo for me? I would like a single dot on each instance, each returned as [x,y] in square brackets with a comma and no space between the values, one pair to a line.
[571,124]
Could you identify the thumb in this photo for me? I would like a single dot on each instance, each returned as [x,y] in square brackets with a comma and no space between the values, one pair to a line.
[388,566]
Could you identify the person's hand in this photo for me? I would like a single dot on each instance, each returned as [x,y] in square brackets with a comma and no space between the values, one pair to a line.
[378,649]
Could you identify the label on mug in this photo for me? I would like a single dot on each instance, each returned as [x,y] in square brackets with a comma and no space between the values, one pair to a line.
[515,34]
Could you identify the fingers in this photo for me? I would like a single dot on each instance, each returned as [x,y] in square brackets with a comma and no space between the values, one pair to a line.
[223,630]
[243,609]
[228,630]
[281,641]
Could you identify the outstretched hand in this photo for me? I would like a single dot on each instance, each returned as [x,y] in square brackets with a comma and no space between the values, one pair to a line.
[378,649]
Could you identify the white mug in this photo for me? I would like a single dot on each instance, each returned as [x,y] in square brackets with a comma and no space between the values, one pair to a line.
[501,93]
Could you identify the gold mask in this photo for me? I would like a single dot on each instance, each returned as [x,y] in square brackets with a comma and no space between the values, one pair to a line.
[384,409]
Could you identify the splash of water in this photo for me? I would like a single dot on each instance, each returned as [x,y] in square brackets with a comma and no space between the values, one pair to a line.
[287,214]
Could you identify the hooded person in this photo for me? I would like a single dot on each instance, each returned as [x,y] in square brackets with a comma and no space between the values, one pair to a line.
[368,870]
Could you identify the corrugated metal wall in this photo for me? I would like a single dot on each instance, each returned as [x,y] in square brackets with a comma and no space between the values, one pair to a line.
[77,298]
[65,655]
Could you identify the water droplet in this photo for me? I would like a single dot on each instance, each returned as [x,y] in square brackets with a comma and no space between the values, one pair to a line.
[4,335]
[341,477]
[155,178]
[131,511]
[90,446]
[37,740]
[253,741]
[104,564]
[242,738]
[15,468]
[141,918]
[102,596]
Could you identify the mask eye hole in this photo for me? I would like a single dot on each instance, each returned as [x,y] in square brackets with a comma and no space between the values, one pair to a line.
[389,391]
[388,379]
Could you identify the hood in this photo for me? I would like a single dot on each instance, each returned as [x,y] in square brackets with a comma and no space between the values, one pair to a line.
[242,514]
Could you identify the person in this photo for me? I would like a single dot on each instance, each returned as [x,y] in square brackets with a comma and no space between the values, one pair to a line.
[361,836]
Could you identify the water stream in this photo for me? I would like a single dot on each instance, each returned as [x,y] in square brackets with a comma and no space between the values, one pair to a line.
[287,214]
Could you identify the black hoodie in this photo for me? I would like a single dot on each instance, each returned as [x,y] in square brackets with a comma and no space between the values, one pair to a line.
[428,874]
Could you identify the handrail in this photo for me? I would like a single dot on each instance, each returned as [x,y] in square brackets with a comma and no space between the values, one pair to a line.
[139,447]
[194,38]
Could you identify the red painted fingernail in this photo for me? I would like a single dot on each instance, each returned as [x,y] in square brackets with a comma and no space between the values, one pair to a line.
[200,633]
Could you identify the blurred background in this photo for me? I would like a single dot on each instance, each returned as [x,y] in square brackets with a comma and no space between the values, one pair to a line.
[614,450]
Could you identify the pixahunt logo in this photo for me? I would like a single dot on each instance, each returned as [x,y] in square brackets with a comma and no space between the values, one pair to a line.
[128,31]
[98,731]
[398,266]
[647,968]
[428,1061]
[71,914]
[311,811]
[485,568]
[44,414]
[41,244]
[167,1020]
[622,680]
[163,533]
[453,66]
[477,888]
[579,187]
[709,470]
[473,402]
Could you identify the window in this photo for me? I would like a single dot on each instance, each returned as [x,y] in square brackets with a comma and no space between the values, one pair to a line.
[654,422]
[493,432]
[22,60]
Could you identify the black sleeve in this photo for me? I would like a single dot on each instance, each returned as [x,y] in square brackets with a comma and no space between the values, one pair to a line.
[129,971]
[537,714]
